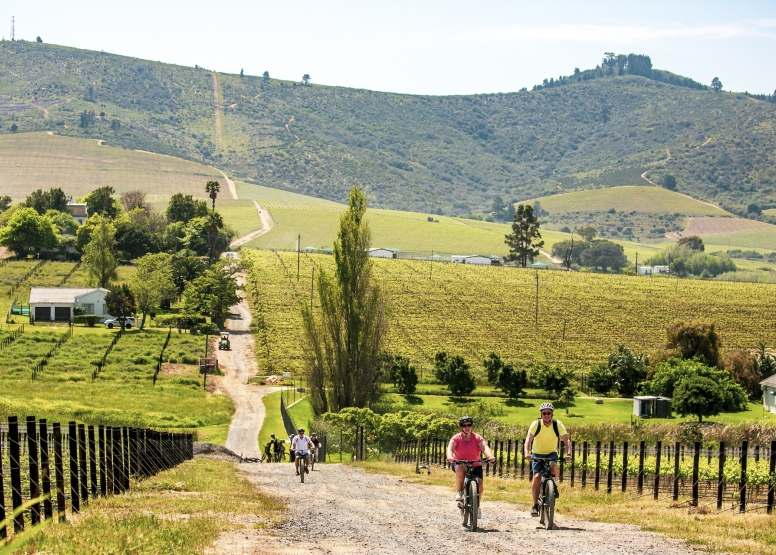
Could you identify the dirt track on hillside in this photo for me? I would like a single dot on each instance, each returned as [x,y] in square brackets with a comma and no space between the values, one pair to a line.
[344,510]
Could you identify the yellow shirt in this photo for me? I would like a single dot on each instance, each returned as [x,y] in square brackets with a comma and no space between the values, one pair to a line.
[546,442]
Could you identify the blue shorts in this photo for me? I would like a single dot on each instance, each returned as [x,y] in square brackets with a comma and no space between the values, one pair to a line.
[537,467]
[302,453]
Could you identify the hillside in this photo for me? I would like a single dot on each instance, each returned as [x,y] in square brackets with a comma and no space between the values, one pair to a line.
[446,155]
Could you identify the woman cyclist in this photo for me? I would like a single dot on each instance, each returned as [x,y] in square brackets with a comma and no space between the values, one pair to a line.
[467,446]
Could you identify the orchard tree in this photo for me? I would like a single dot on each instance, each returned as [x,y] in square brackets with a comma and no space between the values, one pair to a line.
[99,254]
[523,241]
[27,232]
[403,375]
[152,283]
[699,397]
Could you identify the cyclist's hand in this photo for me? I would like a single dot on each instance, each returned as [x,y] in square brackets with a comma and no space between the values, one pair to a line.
[450,460]
[528,457]
[492,459]
[568,458]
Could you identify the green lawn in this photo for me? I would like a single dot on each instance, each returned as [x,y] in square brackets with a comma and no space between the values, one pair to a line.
[523,411]
[273,423]
[302,415]
[625,199]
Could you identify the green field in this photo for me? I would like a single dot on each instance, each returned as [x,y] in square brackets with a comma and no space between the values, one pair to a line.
[258,192]
[30,161]
[626,199]
[473,311]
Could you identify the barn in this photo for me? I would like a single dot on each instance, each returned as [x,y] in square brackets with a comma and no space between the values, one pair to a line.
[382,253]
[49,304]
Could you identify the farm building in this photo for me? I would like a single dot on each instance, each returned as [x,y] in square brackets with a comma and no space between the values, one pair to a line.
[382,253]
[645,270]
[57,303]
[78,211]
[652,407]
[768,385]
[539,266]
[660,270]
[475,259]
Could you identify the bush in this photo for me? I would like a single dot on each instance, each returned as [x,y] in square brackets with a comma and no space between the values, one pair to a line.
[188,360]
[86,320]
[698,396]
[600,379]
[695,340]
[403,375]
[552,379]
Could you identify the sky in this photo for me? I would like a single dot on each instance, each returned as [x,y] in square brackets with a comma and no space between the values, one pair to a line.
[421,46]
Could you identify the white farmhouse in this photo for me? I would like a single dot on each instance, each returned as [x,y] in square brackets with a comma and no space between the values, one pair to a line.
[78,211]
[57,303]
[768,385]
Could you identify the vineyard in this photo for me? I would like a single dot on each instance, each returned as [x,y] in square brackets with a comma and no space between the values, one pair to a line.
[473,311]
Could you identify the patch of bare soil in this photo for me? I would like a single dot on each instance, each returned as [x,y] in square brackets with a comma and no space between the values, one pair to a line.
[187,370]
[341,509]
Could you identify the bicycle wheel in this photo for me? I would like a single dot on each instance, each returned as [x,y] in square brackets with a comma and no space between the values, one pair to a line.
[302,467]
[465,510]
[549,504]
[312,462]
[475,505]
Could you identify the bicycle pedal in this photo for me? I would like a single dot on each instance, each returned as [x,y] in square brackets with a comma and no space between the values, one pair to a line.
[460,505]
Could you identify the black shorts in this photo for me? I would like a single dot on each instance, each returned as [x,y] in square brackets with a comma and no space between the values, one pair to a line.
[477,471]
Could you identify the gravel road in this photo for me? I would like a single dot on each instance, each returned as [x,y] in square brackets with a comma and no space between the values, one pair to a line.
[344,510]
[238,366]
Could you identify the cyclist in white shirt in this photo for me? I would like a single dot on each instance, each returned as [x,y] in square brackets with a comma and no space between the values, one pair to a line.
[301,447]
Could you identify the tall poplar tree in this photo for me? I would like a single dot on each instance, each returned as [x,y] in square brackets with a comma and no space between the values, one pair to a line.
[345,336]
[522,242]
[99,253]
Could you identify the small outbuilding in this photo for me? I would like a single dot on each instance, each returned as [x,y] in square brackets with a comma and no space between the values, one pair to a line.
[645,270]
[476,259]
[382,253]
[50,304]
[768,385]
[648,406]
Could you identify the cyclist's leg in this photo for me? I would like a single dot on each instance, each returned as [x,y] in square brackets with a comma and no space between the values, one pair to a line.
[537,467]
[460,474]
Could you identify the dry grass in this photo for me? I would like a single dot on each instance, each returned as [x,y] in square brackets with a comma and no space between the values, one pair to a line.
[721,226]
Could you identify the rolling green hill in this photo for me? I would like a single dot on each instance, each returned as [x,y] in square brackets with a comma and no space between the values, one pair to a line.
[447,155]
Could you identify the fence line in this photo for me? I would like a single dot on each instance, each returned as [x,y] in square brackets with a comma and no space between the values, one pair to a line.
[104,359]
[288,422]
[11,338]
[39,367]
[37,490]
[161,354]
[15,286]
[69,274]
[627,468]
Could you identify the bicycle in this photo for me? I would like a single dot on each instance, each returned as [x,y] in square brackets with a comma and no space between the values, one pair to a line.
[302,466]
[470,503]
[313,457]
[547,494]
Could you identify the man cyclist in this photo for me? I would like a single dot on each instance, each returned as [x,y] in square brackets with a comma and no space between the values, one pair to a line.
[542,441]
[316,445]
[467,446]
[301,447]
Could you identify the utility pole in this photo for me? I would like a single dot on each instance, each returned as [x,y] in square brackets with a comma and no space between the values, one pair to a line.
[13,28]
[536,316]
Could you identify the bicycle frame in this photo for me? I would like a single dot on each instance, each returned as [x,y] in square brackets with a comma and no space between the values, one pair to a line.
[547,506]
[468,505]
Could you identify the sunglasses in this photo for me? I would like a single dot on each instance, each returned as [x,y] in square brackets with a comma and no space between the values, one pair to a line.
[546,414]
[466,426]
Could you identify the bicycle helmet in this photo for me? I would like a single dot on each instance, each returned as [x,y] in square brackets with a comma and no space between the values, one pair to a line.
[547,406]
[313,434]
[300,430]
[465,420]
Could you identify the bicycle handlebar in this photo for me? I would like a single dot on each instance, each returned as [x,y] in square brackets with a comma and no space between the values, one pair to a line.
[456,461]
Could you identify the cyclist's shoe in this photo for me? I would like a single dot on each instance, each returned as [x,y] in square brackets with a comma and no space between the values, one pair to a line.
[307,470]
[535,510]
[297,473]
[557,492]
[458,495]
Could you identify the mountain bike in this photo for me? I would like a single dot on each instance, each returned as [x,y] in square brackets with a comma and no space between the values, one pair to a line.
[302,466]
[470,503]
[313,457]
[547,494]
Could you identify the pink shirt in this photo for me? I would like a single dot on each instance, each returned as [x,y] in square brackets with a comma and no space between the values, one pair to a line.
[467,450]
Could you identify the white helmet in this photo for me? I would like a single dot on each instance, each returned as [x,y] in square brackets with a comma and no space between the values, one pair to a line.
[547,406]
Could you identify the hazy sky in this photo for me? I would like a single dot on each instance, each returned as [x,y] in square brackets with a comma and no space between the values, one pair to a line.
[419,46]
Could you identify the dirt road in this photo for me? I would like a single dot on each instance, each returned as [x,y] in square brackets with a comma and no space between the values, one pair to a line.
[267,223]
[239,365]
[346,511]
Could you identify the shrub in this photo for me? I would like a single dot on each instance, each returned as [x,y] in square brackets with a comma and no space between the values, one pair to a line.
[600,379]
[552,379]
[695,340]
[698,396]
[189,360]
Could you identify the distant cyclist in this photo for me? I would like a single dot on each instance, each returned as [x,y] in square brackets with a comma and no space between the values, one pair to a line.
[316,446]
[542,441]
[467,446]
[301,447]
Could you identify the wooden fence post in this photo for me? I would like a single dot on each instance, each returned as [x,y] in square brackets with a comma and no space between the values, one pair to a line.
[14,460]
[676,471]
[597,464]
[3,529]
[640,479]
[109,460]
[721,474]
[584,464]
[125,454]
[82,474]
[624,467]
[72,442]
[118,477]
[45,467]
[610,471]
[771,476]
[501,460]
[103,473]
[92,461]
[34,474]
[573,453]
[59,472]
[696,453]
[658,453]
[742,484]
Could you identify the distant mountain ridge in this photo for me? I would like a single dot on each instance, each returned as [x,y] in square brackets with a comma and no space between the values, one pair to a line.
[449,155]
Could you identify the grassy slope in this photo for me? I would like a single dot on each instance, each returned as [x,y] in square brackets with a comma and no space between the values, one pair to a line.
[474,310]
[30,161]
[257,192]
[625,199]
[412,152]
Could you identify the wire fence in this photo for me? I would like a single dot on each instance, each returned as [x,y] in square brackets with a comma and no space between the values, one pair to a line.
[38,461]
